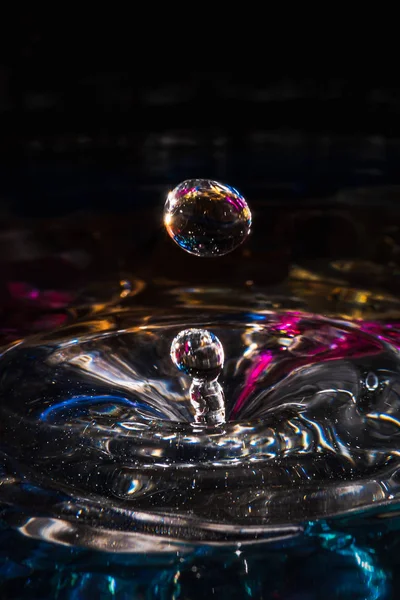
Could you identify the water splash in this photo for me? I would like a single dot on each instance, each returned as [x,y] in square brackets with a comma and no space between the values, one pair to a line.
[101,423]
[206,218]
[200,354]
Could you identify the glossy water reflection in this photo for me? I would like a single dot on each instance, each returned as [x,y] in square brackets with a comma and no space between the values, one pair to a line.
[199,354]
[311,425]
[102,451]
[206,218]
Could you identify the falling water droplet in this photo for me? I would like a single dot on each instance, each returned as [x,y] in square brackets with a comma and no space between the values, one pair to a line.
[206,218]
[199,354]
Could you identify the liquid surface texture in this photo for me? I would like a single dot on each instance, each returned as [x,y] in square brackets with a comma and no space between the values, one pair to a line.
[103,449]
[99,411]
[171,441]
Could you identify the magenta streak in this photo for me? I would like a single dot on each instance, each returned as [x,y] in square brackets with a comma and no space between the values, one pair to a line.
[349,344]
[185,191]
[236,203]
[22,291]
[262,364]
[388,332]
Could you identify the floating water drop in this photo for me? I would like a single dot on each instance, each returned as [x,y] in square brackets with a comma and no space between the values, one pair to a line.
[199,354]
[207,218]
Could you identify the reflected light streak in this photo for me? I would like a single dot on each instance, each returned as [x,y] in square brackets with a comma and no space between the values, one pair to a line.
[262,364]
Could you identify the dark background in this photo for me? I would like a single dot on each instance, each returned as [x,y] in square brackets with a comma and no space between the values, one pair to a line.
[93,135]
[94,116]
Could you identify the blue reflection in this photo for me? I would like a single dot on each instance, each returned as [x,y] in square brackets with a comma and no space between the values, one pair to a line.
[85,402]
[323,563]
[186,243]
[255,317]
[360,575]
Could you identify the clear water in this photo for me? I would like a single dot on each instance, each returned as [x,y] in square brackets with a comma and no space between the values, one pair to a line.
[102,451]
[199,354]
[167,441]
[206,218]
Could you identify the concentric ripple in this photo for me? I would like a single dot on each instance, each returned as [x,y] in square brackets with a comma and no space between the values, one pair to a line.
[98,429]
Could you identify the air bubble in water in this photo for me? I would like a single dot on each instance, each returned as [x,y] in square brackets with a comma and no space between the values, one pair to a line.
[206,218]
[199,354]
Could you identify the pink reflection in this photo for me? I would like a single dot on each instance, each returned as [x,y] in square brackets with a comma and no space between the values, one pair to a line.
[288,325]
[309,340]
[22,291]
[237,204]
[26,309]
[388,332]
[260,367]
[184,191]
[51,321]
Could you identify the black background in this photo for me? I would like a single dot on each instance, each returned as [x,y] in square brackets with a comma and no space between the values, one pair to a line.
[99,119]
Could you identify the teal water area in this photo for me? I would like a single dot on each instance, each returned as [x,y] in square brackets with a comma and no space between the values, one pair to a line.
[356,557]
